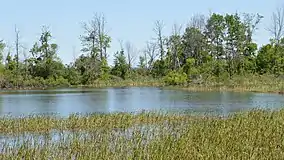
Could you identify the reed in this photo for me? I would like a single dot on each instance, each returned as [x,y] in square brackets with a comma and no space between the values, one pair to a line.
[256,134]
[249,83]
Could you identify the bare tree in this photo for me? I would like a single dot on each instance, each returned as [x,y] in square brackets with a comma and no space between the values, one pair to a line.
[74,53]
[176,29]
[96,41]
[159,26]
[175,41]
[251,21]
[8,56]
[197,21]
[277,25]
[17,45]
[151,52]
[120,41]
[25,61]
[131,53]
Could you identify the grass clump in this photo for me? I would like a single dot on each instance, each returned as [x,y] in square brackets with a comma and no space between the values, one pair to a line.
[257,134]
[248,83]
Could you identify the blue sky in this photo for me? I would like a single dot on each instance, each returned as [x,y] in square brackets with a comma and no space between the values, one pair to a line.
[127,20]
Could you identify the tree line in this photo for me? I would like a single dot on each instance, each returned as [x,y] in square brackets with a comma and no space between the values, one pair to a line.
[216,45]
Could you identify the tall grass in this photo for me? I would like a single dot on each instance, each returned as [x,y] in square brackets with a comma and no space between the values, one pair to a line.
[248,83]
[256,134]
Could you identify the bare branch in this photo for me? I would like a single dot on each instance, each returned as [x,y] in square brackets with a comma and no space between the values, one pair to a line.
[197,21]
[174,41]
[277,26]
[151,52]
[95,37]
[121,44]
[74,53]
[131,53]
[159,26]
[176,29]
[17,45]
[24,52]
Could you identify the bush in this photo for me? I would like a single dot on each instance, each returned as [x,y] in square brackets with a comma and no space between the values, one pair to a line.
[175,78]
[59,81]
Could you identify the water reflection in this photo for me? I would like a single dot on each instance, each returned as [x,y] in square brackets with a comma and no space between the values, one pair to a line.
[134,99]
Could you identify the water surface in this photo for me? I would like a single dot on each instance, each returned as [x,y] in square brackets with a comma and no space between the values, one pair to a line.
[131,99]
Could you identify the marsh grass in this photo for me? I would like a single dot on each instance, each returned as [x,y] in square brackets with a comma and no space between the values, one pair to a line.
[248,83]
[245,83]
[256,134]
[142,82]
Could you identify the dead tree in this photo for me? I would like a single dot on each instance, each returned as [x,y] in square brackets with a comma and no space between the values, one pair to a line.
[17,45]
[197,21]
[159,26]
[95,39]
[151,53]
[175,44]
[95,42]
[131,53]
[74,53]
[26,58]
[277,24]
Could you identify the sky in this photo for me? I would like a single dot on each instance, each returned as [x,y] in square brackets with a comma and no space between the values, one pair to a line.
[127,20]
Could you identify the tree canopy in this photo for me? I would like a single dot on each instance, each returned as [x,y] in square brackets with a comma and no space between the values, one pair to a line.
[216,46]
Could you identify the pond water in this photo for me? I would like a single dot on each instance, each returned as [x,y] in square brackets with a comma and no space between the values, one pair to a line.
[64,102]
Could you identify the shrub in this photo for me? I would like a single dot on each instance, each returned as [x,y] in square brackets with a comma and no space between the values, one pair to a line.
[175,78]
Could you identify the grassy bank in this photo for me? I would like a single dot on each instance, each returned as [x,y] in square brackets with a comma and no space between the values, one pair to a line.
[252,135]
[41,84]
[248,83]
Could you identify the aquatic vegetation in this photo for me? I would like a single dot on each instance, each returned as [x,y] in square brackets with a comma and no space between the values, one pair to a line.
[249,83]
[257,134]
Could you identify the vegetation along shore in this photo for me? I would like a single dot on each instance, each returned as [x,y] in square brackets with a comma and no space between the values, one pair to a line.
[255,134]
[212,52]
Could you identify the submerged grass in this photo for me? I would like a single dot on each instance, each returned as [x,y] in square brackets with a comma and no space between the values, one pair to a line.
[256,134]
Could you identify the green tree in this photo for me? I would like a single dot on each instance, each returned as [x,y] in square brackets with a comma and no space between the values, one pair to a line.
[120,68]
[95,43]
[175,49]
[270,59]
[194,45]
[214,32]
[45,61]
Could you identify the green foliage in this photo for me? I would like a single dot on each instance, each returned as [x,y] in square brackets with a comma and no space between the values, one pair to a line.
[175,78]
[159,68]
[72,75]
[120,65]
[189,67]
[257,134]
[270,59]
[57,81]
[218,48]
[105,70]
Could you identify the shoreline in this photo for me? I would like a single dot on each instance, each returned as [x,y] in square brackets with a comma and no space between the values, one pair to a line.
[188,87]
